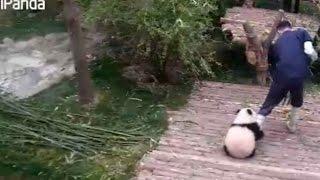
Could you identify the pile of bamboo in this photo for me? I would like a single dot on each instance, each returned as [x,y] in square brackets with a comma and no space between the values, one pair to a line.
[21,125]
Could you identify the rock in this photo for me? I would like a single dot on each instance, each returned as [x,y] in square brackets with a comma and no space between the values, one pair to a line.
[8,41]
[28,67]
[26,85]
[7,70]
[36,41]
[3,47]
[138,73]
[37,54]
[63,46]
[48,70]
[59,17]
[19,46]
[32,15]
[56,36]
[25,61]
[59,57]
[2,58]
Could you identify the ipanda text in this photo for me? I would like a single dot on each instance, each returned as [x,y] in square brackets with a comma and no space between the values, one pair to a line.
[23,4]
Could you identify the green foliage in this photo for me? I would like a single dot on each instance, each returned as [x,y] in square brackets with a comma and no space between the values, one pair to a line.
[162,29]
[274,5]
[306,7]
[84,3]
[309,9]
[123,107]
[23,27]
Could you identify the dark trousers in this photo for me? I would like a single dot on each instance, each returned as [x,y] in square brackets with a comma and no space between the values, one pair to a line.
[278,90]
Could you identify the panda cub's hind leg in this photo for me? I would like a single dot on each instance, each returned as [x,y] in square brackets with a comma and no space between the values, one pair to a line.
[252,154]
[226,150]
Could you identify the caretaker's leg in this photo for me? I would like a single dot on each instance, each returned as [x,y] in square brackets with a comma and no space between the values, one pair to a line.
[296,96]
[276,93]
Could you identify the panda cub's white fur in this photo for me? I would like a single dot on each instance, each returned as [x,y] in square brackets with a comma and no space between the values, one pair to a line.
[240,141]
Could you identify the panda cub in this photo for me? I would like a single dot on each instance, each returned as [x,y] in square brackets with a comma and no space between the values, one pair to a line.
[240,141]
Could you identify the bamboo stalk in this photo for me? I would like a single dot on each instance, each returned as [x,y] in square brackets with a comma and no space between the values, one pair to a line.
[22,125]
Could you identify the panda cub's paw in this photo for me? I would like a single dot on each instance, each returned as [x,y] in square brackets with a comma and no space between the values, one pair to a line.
[252,154]
[261,135]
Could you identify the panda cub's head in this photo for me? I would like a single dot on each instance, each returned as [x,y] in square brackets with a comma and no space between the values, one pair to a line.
[245,116]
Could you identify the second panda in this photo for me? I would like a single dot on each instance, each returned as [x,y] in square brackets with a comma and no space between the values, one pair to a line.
[240,141]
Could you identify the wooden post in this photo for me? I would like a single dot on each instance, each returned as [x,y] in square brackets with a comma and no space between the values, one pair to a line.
[248,3]
[287,4]
[281,4]
[257,51]
[255,54]
[293,2]
[296,6]
[72,15]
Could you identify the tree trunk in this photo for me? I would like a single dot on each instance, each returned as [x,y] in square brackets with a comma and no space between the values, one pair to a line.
[287,4]
[173,66]
[281,2]
[291,5]
[256,50]
[249,3]
[6,17]
[296,6]
[72,13]
[173,69]
[255,54]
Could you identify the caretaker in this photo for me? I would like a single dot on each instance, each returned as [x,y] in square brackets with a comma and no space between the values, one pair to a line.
[290,58]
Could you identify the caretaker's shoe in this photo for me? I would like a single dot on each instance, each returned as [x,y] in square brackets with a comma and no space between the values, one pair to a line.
[292,120]
[291,126]
[260,120]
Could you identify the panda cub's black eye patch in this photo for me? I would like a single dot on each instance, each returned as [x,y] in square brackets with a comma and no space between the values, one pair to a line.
[238,111]
[249,111]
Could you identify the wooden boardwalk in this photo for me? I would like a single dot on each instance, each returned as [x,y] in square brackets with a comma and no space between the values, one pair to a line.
[191,148]
[262,21]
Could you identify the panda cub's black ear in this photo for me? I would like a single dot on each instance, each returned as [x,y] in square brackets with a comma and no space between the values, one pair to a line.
[237,111]
[249,111]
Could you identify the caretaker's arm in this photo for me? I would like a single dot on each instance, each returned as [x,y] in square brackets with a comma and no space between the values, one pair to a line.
[310,51]
[307,45]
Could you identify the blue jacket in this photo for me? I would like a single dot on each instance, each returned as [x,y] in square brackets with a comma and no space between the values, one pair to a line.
[287,58]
